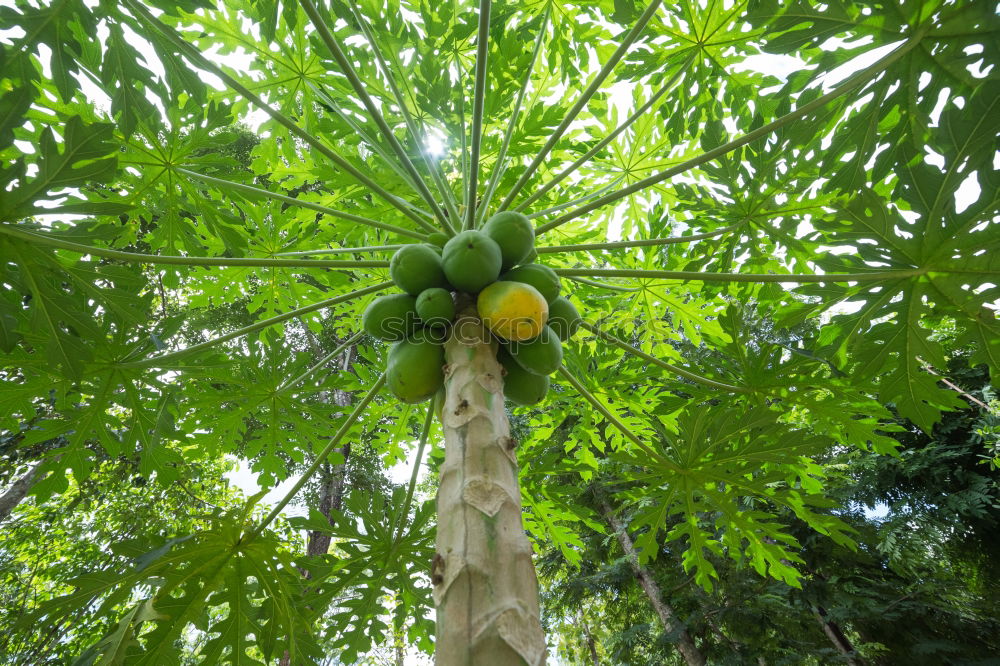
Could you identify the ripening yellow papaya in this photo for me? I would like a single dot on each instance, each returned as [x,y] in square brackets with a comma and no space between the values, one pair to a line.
[513,310]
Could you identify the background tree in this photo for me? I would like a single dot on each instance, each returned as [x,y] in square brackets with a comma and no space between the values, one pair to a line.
[918,588]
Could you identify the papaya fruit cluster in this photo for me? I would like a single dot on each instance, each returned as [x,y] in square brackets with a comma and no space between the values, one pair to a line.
[517,300]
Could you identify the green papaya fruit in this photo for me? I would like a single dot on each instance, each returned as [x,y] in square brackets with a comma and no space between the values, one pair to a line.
[564,318]
[471,261]
[515,235]
[542,278]
[520,386]
[540,356]
[436,307]
[414,371]
[391,317]
[415,268]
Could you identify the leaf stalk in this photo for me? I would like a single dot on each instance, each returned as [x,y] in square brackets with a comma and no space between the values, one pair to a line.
[850,84]
[582,101]
[158,259]
[424,434]
[614,420]
[321,458]
[681,372]
[874,276]
[331,43]
[500,166]
[610,137]
[647,242]
[162,360]
[433,166]
[257,191]
[196,56]
[320,363]
[479,100]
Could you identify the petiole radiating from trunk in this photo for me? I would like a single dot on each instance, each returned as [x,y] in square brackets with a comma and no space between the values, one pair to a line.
[680,372]
[326,35]
[582,101]
[197,57]
[641,111]
[479,99]
[321,458]
[291,201]
[648,242]
[163,360]
[851,83]
[500,165]
[168,260]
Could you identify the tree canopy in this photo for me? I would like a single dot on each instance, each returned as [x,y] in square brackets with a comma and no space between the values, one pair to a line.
[789,284]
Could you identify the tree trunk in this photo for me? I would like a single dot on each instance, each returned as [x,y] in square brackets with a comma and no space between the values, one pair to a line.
[668,618]
[837,637]
[485,587]
[331,498]
[17,492]
[591,643]
[334,483]
[331,494]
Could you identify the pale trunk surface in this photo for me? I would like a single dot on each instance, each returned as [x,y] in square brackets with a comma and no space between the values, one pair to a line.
[836,636]
[668,618]
[17,492]
[485,587]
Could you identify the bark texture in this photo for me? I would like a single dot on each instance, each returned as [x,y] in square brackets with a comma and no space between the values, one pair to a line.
[331,497]
[485,587]
[334,477]
[837,636]
[333,482]
[17,492]
[591,643]
[668,618]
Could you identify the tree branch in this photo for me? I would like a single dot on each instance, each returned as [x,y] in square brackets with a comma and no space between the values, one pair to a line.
[159,259]
[599,191]
[433,167]
[500,166]
[341,250]
[424,433]
[320,363]
[602,285]
[610,137]
[649,242]
[874,276]
[196,56]
[352,77]
[613,420]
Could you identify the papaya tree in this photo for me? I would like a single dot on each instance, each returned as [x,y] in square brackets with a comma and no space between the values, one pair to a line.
[540,226]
